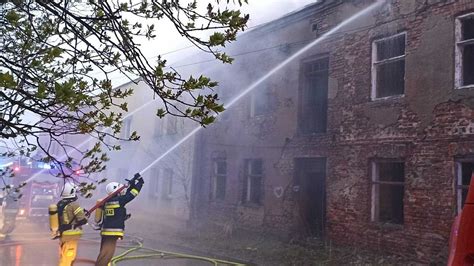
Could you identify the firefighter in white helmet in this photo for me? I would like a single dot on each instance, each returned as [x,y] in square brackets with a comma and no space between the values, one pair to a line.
[114,215]
[70,217]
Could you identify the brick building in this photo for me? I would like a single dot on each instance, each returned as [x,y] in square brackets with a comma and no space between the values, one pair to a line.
[366,139]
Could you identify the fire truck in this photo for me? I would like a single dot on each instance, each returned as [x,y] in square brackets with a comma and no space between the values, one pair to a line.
[41,189]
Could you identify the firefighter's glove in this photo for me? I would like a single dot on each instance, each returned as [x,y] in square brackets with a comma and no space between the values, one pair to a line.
[137,178]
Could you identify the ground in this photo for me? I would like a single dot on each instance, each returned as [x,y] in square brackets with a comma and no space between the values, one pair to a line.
[29,245]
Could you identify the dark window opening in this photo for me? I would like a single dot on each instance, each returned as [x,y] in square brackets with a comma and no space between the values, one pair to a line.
[154,183]
[220,178]
[468,65]
[253,182]
[468,28]
[464,179]
[388,192]
[391,47]
[314,96]
[167,183]
[389,66]
[465,51]
[390,79]
[261,101]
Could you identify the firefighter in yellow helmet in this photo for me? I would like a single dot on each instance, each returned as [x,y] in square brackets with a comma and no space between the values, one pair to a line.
[71,217]
[113,217]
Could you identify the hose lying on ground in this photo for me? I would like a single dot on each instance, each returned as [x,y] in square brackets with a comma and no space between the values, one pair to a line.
[136,246]
[153,253]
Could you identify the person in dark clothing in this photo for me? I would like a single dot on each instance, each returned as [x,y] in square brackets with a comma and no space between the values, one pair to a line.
[112,219]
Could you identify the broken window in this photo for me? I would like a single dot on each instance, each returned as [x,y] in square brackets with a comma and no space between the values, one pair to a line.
[388,66]
[465,51]
[314,96]
[253,182]
[464,171]
[219,179]
[388,180]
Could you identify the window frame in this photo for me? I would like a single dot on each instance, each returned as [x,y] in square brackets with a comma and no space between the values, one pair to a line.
[459,45]
[248,176]
[375,63]
[126,130]
[375,185]
[154,190]
[305,77]
[257,108]
[216,175]
[459,187]
[166,192]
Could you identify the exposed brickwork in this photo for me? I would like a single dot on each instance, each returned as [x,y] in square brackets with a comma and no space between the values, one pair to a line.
[430,126]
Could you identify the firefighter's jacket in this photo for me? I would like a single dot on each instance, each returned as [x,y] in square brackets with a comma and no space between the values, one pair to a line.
[71,218]
[114,212]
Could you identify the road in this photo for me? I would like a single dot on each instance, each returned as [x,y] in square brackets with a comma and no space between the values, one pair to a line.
[29,244]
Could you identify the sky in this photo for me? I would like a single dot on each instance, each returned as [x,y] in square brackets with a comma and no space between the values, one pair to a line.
[174,47]
[168,40]
[260,11]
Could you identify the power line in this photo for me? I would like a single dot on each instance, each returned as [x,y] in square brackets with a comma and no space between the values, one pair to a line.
[281,44]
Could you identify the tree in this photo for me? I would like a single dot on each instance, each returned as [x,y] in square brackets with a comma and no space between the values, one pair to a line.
[56,61]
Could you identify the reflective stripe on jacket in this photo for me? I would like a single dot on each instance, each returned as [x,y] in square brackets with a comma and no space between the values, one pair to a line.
[114,212]
[70,217]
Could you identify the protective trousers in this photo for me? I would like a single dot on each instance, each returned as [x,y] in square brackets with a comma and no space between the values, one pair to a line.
[68,252]
[107,250]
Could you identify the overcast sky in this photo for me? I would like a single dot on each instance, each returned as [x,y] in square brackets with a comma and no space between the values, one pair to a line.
[170,43]
[260,11]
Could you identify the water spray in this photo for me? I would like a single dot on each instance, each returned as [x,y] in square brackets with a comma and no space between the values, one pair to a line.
[270,73]
[248,89]
[89,139]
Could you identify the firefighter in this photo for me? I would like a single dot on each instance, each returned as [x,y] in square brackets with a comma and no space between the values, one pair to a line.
[10,212]
[70,217]
[114,215]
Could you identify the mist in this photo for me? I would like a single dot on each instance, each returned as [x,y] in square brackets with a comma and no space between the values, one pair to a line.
[333,142]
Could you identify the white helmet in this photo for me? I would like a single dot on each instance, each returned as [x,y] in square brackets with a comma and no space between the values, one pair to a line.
[112,187]
[69,191]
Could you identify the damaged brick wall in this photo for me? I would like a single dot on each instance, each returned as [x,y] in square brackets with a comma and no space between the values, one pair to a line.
[427,127]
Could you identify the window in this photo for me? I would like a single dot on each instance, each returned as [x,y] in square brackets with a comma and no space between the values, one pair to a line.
[167,183]
[464,52]
[171,125]
[166,126]
[464,172]
[388,180]
[219,179]
[154,188]
[313,97]
[253,182]
[126,127]
[259,104]
[388,66]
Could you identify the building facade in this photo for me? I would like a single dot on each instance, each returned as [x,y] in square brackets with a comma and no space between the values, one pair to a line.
[167,181]
[366,139]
